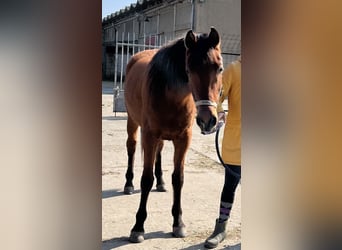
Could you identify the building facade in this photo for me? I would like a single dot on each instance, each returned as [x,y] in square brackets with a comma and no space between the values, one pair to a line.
[151,23]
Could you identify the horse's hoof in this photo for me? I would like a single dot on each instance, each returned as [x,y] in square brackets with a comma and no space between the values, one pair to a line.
[179,232]
[129,190]
[161,188]
[136,237]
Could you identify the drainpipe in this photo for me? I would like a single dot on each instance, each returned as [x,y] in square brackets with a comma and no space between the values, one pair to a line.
[158,36]
[174,19]
[133,21]
[193,19]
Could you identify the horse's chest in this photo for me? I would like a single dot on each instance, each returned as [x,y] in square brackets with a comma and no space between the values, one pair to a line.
[170,114]
[170,122]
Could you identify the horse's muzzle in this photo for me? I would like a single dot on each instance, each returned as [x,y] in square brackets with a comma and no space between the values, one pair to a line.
[206,126]
[205,118]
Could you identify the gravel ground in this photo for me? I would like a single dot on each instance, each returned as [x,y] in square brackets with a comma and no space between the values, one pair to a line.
[200,196]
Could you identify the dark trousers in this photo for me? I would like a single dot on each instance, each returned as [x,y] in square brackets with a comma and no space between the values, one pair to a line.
[232,179]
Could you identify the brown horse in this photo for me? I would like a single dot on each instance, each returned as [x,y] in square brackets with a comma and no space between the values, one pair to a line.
[162,90]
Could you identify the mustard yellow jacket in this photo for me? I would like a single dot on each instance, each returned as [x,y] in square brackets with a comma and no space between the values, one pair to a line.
[231,89]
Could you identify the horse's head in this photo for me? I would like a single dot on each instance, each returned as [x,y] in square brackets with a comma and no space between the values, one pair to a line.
[204,67]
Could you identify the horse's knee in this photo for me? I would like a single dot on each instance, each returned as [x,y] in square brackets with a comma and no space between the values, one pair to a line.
[177,179]
[146,182]
[131,145]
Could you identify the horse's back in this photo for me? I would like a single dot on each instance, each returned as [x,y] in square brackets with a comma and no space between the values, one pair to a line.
[136,76]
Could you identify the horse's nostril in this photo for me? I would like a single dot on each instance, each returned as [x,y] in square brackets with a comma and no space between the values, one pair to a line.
[200,123]
[212,122]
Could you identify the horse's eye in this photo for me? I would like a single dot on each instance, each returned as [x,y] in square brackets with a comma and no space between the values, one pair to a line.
[220,70]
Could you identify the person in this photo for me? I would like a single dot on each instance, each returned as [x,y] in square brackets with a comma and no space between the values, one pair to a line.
[231,148]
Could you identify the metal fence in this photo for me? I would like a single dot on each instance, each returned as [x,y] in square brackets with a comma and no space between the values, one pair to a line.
[125,47]
[129,44]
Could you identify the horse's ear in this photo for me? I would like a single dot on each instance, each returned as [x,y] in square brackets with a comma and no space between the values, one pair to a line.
[190,39]
[214,37]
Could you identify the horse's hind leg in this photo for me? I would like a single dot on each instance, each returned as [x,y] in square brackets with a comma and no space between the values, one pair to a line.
[158,170]
[132,131]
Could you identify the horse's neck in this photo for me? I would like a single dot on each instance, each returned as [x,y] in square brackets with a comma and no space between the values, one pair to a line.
[167,70]
[171,62]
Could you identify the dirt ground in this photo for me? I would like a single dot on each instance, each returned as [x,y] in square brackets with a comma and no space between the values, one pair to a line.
[203,180]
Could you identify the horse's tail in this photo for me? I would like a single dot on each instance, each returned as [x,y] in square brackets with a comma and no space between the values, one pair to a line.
[141,146]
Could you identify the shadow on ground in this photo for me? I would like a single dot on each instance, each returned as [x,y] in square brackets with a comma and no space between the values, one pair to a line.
[121,241]
[115,192]
[114,118]
[201,246]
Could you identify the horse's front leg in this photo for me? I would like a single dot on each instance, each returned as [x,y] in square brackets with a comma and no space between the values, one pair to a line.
[181,146]
[149,144]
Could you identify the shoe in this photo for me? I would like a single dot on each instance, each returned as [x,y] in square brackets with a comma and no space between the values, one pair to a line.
[217,236]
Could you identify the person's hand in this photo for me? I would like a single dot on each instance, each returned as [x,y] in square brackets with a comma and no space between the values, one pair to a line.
[221,116]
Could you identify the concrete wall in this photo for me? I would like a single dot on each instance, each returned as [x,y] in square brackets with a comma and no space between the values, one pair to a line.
[183,18]
[176,17]
[225,15]
[172,19]
[169,20]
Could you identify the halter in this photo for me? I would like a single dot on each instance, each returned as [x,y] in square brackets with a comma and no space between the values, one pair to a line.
[206,103]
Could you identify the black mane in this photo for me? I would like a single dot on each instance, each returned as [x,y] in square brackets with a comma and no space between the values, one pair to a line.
[167,68]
